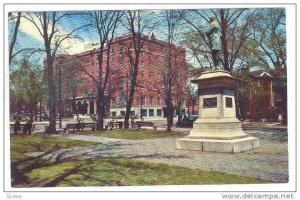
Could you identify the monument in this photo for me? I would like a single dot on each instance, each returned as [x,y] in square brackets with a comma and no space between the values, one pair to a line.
[217,129]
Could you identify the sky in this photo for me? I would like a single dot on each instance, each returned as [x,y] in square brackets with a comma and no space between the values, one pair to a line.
[29,36]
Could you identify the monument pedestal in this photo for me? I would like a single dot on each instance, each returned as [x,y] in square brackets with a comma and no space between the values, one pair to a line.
[217,129]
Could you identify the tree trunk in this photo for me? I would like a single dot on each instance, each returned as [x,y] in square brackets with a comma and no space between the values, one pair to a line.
[130,100]
[284,106]
[100,110]
[31,112]
[14,38]
[51,93]
[169,118]
[224,39]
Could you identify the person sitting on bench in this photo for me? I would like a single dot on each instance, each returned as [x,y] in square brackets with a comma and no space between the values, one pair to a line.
[27,127]
[17,126]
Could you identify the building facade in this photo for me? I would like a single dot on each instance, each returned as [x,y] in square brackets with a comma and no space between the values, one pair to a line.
[77,78]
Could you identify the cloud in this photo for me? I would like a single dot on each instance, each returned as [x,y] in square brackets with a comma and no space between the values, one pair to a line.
[70,46]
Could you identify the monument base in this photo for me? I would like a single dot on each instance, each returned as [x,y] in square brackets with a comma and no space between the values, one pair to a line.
[213,145]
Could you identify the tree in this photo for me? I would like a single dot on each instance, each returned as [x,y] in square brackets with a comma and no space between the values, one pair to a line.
[137,26]
[105,23]
[15,21]
[170,70]
[191,96]
[47,24]
[234,25]
[26,84]
[268,33]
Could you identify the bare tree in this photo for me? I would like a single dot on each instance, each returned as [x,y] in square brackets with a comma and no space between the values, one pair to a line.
[171,70]
[137,26]
[47,24]
[234,25]
[105,23]
[269,35]
[16,20]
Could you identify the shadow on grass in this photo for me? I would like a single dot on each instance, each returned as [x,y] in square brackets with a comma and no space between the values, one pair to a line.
[95,166]
[23,166]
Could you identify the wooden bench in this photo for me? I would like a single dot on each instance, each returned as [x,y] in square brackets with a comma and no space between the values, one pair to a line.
[112,125]
[141,124]
[12,128]
[90,125]
[79,126]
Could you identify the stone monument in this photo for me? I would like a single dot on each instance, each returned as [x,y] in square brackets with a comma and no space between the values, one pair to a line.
[217,129]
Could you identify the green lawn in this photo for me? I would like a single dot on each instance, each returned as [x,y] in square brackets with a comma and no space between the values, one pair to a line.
[132,134]
[127,172]
[38,172]
[21,144]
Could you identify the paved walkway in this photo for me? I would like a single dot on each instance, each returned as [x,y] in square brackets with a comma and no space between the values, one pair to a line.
[270,161]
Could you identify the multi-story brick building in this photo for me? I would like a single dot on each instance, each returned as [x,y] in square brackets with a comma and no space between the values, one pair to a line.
[79,75]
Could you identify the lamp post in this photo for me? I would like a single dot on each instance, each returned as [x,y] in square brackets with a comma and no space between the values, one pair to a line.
[141,106]
[60,116]
[40,110]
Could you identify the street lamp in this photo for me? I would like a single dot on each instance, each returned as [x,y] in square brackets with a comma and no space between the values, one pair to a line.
[59,97]
[141,106]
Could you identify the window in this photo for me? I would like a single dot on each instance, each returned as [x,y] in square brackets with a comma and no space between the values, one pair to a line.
[122,100]
[142,73]
[151,112]
[151,100]
[144,112]
[113,114]
[143,100]
[113,102]
[112,58]
[143,63]
[113,86]
[112,49]
[121,84]
[122,113]
[158,101]
[113,70]
[159,113]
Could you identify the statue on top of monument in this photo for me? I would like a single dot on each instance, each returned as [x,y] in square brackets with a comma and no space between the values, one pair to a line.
[214,36]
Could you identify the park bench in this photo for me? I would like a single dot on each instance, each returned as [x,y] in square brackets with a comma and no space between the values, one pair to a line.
[141,124]
[79,126]
[90,125]
[12,128]
[112,125]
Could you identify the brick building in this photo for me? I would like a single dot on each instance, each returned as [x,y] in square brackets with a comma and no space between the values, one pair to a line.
[79,75]
[260,104]
[265,105]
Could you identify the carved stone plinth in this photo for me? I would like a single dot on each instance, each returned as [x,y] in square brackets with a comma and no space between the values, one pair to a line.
[217,129]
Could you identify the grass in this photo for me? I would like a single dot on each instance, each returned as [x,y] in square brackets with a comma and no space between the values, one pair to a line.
[132,134]
[21,144]
[127,172]
[65,172]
